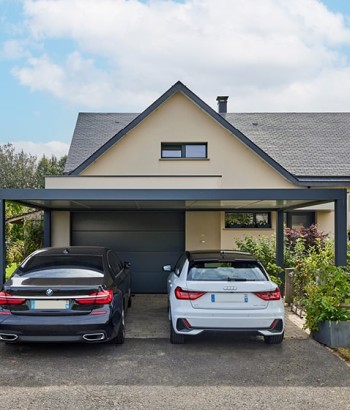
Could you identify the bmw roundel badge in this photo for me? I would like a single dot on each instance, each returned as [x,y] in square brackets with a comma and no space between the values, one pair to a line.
[49,292]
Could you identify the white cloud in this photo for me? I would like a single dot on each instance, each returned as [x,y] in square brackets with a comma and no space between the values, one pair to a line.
[13,49]
[55,148]
[268,55]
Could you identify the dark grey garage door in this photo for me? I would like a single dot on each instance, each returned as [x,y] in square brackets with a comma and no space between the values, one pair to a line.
[147,239]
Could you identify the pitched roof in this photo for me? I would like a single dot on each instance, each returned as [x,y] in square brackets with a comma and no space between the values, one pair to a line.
[306,144]
[304,147]
[91,132]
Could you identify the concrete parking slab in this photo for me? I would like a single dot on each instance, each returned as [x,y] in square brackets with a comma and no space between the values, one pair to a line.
[148,318]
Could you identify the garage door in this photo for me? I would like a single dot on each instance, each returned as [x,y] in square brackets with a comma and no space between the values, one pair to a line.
[147,239]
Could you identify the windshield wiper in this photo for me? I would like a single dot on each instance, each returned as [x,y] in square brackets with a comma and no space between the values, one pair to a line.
[236,280]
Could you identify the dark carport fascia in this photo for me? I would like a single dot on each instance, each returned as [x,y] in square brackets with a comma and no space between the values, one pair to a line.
[338,196]
[46,195]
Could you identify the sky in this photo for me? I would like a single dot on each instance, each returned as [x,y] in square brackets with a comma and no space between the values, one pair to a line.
[62,57]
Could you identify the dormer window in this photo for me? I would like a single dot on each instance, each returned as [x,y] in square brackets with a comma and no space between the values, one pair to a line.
[184,150]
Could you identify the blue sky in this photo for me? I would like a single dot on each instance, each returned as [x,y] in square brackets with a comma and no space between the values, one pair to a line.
[64,56]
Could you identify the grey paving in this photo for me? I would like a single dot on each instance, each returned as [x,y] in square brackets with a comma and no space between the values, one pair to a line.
[205,373]
[208,372]
[148,319]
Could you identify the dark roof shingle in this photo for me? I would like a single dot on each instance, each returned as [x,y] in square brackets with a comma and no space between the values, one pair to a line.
[305,144]
[93,130]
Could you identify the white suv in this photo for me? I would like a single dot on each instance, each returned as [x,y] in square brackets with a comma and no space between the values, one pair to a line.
[223,291]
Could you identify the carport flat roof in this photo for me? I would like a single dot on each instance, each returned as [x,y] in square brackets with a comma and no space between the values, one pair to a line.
[180,199]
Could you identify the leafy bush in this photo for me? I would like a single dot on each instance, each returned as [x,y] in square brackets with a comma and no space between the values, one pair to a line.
[311,236]
[306,250]
[308,262]
[326,295]
[320,288]
[24,237]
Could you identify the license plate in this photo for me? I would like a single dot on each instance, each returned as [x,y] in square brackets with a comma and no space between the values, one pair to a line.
[49,304]
[229,298]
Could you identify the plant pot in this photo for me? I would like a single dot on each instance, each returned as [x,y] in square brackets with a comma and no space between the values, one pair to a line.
[333,334]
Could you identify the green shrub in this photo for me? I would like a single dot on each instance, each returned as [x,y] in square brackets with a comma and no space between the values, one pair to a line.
[264,249]
[308,263]
[326,295]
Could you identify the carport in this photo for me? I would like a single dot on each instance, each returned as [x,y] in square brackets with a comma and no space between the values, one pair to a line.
[139,200]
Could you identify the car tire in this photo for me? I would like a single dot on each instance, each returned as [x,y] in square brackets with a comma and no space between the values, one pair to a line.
[120,338]
[274,340]
[175,338]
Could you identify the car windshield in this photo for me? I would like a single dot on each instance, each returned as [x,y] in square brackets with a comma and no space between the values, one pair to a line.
[62,266]
[239,271]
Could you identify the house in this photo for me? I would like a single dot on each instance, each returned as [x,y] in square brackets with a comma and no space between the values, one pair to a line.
[181,175]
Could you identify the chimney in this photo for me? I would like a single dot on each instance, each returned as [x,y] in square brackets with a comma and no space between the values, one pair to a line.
[222,104]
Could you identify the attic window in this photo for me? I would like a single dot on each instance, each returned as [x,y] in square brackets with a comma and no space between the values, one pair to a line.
[184,150]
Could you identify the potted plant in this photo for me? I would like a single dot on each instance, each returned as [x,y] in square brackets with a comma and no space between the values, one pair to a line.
[327,306]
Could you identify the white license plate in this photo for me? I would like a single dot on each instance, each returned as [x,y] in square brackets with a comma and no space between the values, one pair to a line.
[49,304]
[229,298]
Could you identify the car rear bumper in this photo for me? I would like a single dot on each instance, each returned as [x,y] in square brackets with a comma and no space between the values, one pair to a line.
[85,328]
[264,322]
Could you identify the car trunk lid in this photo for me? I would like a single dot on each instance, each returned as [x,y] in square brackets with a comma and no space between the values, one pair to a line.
[229,295]
[51,296]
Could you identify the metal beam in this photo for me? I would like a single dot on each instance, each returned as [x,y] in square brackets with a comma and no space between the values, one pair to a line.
[280,240]
[340,232]
[2,243]
[282,195]
[47,228]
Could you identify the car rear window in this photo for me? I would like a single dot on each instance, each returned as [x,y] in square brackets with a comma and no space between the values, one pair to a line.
[63,266]
[226,271]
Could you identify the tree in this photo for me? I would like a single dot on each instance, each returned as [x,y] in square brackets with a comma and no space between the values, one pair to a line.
[49,166]
[22,170]
[17,169]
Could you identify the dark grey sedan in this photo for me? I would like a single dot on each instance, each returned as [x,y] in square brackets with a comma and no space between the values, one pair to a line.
[73,294]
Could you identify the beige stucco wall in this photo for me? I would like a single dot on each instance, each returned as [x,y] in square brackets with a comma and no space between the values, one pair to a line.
[180,120]
[135,182]
[202,230]
[325,222]
[60,228]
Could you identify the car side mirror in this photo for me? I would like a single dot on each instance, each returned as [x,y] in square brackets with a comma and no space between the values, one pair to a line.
[167,268]
[127,265]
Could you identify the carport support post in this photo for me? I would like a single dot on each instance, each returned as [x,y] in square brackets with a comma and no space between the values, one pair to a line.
[280,243]
[340,232]
[3,243]
[47,228]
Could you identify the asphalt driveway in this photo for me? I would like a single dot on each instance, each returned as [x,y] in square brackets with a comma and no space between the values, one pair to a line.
[208,372]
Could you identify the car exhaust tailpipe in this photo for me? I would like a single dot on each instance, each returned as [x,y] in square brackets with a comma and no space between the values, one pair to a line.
[93,337]
[8,337]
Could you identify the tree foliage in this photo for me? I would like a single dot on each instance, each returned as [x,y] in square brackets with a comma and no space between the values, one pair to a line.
[22,170]
[17,169]
[49,166]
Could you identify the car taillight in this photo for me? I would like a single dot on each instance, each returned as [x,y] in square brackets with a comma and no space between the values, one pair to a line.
[187,294]
[7,299]
[272,295]
[98,298]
